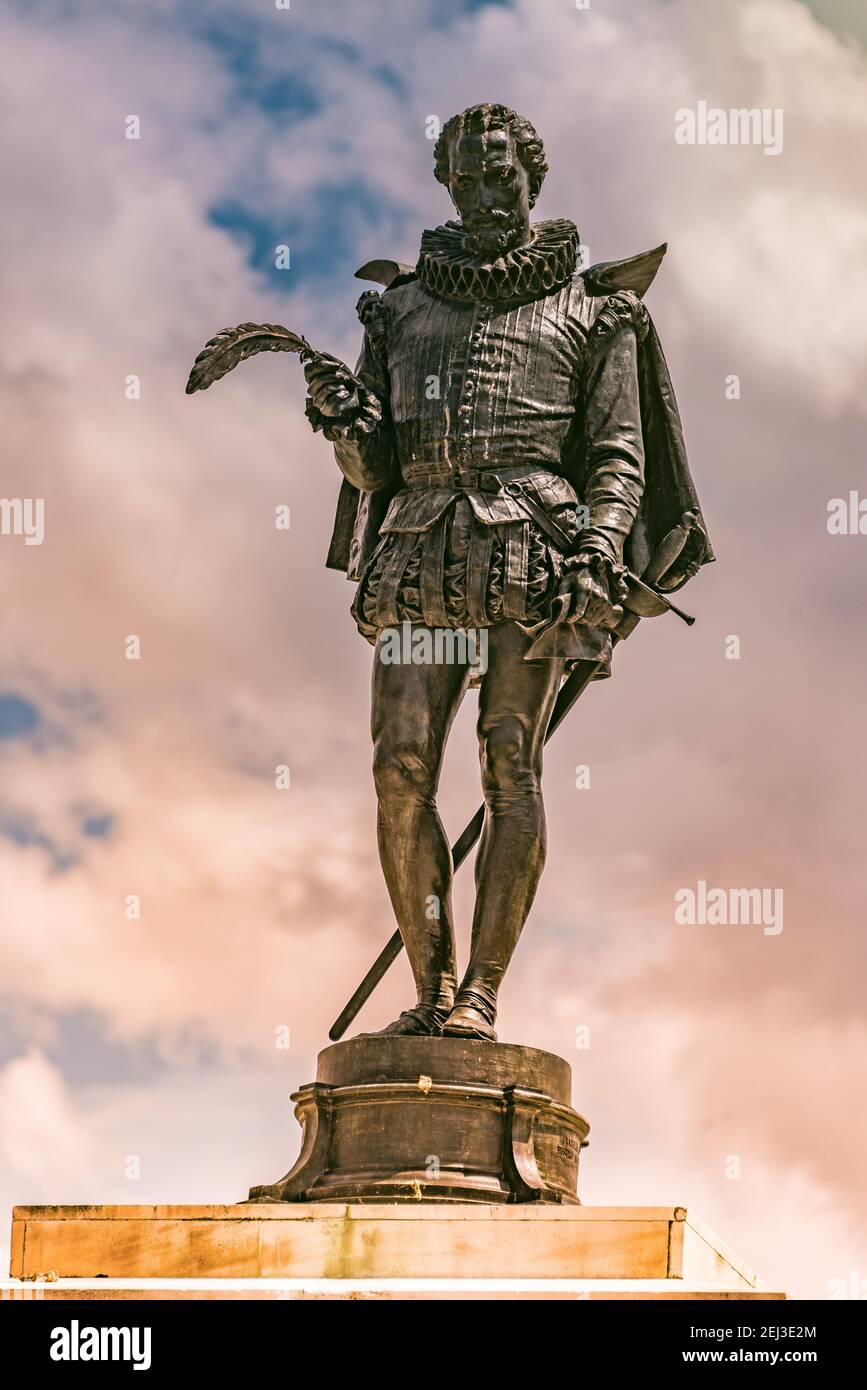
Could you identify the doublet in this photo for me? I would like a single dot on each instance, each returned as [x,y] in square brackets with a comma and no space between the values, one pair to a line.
[483,400]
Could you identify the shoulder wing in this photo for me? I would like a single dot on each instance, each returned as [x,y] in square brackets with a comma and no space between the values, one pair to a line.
[388,273]
[637,273]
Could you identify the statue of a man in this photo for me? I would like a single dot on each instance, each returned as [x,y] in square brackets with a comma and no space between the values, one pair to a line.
[509,442]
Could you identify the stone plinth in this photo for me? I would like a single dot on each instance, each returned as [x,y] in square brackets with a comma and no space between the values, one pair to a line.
[434,1120]
[373,1290]
[405,1250]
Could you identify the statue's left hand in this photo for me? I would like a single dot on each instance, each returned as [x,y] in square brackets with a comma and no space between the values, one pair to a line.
[584,597]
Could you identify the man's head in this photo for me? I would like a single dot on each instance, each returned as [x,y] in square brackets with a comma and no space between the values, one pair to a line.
[492,162]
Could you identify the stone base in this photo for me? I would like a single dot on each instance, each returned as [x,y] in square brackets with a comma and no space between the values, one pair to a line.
[434,1120]
[406,1250]
[372,1290]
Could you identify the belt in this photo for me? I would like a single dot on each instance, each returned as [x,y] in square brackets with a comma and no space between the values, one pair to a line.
[477,479]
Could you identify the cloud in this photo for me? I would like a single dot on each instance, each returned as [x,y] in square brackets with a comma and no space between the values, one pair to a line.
[40,1132]
[259,907]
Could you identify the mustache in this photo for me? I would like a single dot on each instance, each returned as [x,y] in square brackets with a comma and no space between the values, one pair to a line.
[495,219]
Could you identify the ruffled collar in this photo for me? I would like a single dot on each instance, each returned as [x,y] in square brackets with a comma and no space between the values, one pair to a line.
[450,267]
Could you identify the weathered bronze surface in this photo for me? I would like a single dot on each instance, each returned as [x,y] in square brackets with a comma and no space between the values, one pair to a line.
[525,467]
[513,471]
[440,1120]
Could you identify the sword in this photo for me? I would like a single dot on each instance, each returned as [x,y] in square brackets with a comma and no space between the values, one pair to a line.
[222,353]
[573,687]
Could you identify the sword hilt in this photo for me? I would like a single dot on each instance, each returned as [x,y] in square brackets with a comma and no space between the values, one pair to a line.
[669,549]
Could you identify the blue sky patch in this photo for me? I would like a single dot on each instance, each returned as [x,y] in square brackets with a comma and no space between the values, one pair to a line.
[97,825]
[239,43]
[23,831]
[82,1049]
[18,717]
[322,239]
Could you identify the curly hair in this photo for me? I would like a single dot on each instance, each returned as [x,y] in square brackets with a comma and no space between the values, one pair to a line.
[492,116]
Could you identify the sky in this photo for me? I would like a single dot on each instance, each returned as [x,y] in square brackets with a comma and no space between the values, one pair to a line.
[139,1056]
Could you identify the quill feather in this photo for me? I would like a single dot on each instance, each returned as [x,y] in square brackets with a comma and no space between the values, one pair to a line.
[230,346]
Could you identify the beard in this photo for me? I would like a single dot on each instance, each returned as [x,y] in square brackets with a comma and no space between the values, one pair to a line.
[495,234]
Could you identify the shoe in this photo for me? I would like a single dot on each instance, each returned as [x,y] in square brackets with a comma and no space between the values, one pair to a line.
[464,1021]
[423,1021]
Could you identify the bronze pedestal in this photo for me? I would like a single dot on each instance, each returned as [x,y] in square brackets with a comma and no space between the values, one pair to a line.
[434,1119]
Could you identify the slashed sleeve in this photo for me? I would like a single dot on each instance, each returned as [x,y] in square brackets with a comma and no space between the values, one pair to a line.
[614,446]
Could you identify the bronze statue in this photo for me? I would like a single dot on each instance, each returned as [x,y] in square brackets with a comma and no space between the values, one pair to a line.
[510,394]
[513,466]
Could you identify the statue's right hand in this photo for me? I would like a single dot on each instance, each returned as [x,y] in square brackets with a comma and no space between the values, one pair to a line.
[331,386]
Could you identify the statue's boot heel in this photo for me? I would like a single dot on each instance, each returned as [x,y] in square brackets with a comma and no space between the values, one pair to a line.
[467,1022]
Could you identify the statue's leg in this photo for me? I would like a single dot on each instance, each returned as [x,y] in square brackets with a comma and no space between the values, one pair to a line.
[515,704]
[412,712]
